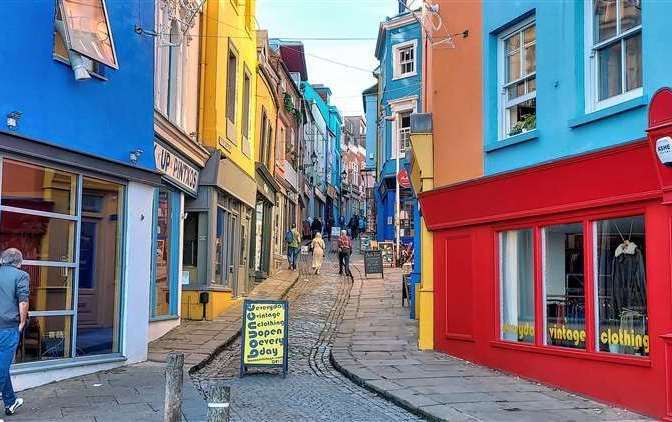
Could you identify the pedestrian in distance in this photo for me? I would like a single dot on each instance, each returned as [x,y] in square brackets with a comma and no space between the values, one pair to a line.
[344,252]
[293,239]
[318,247]
[316,227]
[14,292]
[330,224]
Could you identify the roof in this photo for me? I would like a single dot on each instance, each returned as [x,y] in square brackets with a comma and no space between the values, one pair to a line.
[294,56]
[391,23]
[373,90]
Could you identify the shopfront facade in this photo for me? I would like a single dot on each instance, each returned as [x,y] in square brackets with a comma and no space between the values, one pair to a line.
[262,246]
[71,215]
[570,285]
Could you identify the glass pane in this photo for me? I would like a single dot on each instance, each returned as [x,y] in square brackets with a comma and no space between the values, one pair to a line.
[517,285]
[532,84]
[45,338]
[50,288]
[190,248]
[605,19]
[219,245]
[162,291]
[89,30]
[631,14]
[512,66]
[530,34]
[38,238]
[620,277]
[609,71]
[522,117]
[37,188]
[516,90]
[564,286]
[512,43]
[99,269]
[633,62]
[530,59]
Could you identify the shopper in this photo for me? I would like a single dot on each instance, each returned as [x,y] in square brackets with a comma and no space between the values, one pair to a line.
[14,285]
[316,227]
[344,252]
[293,239]
[329,225]
[317,245]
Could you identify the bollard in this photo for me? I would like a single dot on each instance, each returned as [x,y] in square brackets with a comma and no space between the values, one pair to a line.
[219,400]
[174,376]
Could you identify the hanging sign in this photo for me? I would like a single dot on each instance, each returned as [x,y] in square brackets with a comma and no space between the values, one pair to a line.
[264,341]
[176,169]
[403,179]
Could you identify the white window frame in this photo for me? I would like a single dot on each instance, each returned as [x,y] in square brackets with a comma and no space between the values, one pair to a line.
[397,74]
[503,105]
[591,62]
[397,107]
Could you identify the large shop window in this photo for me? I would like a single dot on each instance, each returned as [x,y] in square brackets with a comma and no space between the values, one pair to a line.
[616,283]
[165,280]
[68,229]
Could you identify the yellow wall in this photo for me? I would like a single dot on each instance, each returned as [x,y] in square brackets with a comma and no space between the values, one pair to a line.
[226,24]
[266,101]
[192,309]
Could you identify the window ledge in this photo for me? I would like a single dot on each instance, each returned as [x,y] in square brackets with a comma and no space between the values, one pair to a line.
[164,318]
[404,76]
[573,353]
[512,140]
[608,112]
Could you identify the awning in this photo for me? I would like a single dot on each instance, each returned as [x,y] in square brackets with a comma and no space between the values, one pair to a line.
[223,173]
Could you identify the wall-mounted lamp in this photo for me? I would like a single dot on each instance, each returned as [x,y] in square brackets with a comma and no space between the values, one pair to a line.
[134,156]
[13,119]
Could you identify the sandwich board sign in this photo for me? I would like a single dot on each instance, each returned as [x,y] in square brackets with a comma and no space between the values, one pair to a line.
[263,340]
[373,262]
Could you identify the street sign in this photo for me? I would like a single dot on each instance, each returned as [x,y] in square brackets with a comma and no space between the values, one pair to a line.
[264,342]
[403,179]
[373,262]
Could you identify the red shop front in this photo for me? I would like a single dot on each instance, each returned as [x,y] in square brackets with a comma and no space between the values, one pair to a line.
[561,273]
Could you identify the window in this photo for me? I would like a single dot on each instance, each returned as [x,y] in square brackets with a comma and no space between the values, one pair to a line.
[564,289]
[246,112]
[517,80]
[404,59]
[231,94]
[614,50]
[620,283]
[263,129]
[62,52]
[516,275]
[404,131]
[165,280]
[87,30]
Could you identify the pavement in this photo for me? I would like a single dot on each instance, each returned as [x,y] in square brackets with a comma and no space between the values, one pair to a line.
[201,340]
[376,346]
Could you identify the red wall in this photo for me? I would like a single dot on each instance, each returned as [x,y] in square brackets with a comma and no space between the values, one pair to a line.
[466,218]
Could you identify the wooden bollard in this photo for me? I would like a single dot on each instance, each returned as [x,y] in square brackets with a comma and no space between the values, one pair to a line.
[219,403]
[174,377]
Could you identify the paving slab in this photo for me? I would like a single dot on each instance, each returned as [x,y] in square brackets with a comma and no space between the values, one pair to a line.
[376,346]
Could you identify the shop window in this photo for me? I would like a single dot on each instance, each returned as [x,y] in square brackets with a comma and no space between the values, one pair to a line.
[518,79]
[564,290]
[190,248]
[45,338]
[164,286]
[613,51]
[516,274]
[620,283]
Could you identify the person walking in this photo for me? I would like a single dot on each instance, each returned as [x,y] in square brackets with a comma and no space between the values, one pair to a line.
[318,247]
[316,227]
[344,252]
[293,239]
[354,226]
[330,224]
[14,292]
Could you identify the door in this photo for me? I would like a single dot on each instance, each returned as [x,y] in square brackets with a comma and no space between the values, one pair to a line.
[243,278]
[88,300]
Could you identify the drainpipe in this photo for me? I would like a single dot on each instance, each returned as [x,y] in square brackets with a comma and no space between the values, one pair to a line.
[76,60]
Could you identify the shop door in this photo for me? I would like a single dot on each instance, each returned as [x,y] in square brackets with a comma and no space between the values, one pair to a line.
[243,278]
[230,250]
[88,299]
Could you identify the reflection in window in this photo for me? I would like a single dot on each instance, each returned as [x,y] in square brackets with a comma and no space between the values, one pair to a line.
[564,286]
[50,288]
[38,238]
[45,338]
[620,279]
[89,30]
[517,285]
[162,291]
[190,246]
[99,277]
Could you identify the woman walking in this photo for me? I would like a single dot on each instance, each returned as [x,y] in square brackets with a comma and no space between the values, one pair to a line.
[344,251]
[317,245]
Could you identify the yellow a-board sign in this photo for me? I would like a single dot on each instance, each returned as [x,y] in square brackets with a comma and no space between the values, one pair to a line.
[264,335]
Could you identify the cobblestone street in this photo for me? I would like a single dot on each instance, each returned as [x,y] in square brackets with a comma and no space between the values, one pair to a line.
[313,389]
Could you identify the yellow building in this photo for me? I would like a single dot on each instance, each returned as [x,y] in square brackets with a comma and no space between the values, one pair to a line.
[227,187]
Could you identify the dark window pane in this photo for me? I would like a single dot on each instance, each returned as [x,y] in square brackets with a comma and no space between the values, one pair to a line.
[190,247]
[633,62]
[162,291]
[98,300]
[621,286]
[50,288]
[609,71]
[45,338]
[631,14]
[605,19]
[564,286]
[37,188]
[38,238]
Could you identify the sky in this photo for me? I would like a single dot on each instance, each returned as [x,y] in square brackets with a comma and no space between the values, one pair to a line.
[305,19]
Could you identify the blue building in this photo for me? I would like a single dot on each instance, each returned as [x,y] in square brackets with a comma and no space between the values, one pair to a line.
[336,162]
[78,180]
[370,103]
[399,51]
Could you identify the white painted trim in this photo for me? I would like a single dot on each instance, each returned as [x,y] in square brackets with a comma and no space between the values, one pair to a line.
[397,107]
[396,65]
[399,21]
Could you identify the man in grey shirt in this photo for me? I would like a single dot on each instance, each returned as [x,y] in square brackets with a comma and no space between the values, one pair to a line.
[14,290]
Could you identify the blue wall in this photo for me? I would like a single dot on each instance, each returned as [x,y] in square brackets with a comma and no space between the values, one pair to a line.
[563,127]
[370,110]
[105,118]
[335,125]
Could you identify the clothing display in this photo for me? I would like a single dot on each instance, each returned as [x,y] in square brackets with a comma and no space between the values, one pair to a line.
[628,280]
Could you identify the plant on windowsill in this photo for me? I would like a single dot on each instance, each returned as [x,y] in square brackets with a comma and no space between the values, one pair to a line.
[525,124]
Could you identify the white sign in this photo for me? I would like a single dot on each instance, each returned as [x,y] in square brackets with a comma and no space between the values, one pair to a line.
[176,169]
[664,150]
